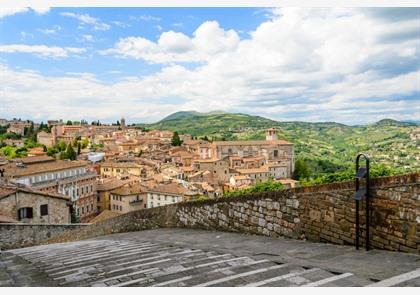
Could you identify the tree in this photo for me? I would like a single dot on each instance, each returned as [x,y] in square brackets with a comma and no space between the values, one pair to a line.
[301,170]
[61,146]
[74,217]
[269,185]
[69,122]
[78,148]
[70,153]
[52,151]
[176,141]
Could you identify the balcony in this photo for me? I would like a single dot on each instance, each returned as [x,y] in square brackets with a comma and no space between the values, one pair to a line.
[136,202]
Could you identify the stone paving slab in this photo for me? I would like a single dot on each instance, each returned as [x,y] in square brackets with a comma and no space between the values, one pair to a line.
[186,257]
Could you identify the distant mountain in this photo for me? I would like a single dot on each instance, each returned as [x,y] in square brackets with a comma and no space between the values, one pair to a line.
[391,122]
[326,146]
[188,115]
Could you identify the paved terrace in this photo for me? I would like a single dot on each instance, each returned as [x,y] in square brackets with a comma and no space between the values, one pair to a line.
[188,257]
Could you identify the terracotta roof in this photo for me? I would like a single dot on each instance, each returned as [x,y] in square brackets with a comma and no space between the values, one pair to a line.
[241,177]
[36,159]
[128,189]
[207,160]
[253,142]
[121,164]
[182,154]
[12,170]
[171,188]
[191,142]
[262,169]
[111,184]
[8,189]
[252,159]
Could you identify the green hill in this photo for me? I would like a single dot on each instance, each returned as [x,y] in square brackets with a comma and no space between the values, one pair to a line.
[326,147]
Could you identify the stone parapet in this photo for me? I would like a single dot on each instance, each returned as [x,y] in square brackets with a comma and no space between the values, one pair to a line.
[318,213]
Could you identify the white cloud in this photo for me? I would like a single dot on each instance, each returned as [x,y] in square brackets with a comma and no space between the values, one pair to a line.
[50,31]
[11,11]
[208,40]
[41,10]
[145,18]
[121,24]
[300,64]
[41,50]
[88,20]
[88,38]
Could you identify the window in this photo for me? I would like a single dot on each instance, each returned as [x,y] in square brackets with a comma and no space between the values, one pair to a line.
[120,208]
[91,187]
[44,210]
[82,190]
[276,153]
[91,207]
[83,210]
[145,205]
[25,213]
[78,212]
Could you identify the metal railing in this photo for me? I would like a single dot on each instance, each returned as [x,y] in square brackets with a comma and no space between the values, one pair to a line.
[362,193]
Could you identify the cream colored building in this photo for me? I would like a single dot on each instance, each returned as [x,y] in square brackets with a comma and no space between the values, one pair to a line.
[114,169]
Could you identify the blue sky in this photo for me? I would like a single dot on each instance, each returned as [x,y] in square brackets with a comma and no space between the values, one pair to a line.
[145,63]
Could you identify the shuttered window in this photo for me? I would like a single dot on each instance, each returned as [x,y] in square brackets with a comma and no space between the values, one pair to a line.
[44,210]
[26,212]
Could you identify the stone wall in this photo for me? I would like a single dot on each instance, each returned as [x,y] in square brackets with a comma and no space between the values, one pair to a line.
[25,235]
[321,213]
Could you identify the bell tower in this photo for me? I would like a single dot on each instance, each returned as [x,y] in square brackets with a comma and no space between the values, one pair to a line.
[122,123]
[271,134]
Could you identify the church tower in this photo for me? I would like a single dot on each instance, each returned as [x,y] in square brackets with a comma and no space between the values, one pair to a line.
[271,134]
[122,123]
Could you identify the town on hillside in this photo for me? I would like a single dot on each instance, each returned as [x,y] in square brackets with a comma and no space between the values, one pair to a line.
[75,172]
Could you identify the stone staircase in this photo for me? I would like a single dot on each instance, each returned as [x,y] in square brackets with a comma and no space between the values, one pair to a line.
[131,262]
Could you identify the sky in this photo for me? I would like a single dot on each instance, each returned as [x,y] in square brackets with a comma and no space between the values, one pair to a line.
[348,65]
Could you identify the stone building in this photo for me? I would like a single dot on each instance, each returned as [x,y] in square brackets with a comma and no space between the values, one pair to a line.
[104,188]
[71,178]
[130,197]
[23,204]
[45,138]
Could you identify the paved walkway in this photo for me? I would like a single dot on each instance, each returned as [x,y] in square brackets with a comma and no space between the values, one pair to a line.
[185,257]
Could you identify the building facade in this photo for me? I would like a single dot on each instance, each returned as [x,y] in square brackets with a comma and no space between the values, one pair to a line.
[26,205]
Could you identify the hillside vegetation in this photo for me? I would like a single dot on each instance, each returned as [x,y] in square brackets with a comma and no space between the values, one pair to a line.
[325,147]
